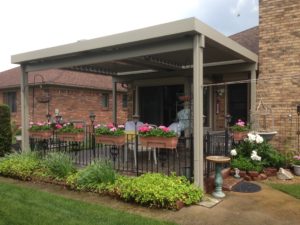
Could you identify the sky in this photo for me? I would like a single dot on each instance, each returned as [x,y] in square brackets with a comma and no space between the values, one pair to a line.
[28,25]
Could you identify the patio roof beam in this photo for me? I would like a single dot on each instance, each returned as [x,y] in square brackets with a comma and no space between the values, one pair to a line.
[120,54]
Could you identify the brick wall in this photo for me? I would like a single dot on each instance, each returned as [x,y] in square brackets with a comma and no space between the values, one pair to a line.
[279,67]
[73,104]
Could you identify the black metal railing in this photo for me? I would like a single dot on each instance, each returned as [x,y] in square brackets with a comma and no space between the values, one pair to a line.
[216,143]
[130,158]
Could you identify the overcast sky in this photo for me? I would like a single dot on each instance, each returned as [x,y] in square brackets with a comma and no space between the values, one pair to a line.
[28,25]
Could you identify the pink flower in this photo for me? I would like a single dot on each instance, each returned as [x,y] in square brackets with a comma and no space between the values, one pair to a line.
[113,129]
[121,126]
[31,123]
[79,126]
[144,129]
[164,128]
[110,125]
[240,123]
[58,126]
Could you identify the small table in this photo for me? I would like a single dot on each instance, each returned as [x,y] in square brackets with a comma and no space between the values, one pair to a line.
[218,160]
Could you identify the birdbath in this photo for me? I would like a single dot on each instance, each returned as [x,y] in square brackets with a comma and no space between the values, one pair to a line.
[218,160]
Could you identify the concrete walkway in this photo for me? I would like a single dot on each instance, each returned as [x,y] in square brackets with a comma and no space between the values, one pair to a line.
[267,207]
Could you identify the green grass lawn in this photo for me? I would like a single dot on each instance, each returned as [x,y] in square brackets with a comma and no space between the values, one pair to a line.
[291,189]
[22,206]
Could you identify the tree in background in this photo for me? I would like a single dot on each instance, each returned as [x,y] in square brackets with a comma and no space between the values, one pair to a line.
[5,130]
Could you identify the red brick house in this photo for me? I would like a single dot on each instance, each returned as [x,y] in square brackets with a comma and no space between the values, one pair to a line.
[74,94]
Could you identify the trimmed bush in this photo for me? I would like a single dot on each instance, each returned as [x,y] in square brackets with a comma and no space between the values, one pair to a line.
[97,176]
[20,166]
[58,165]
[157,190]
[5,130]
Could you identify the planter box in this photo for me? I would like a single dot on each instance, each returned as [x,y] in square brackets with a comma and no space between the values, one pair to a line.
[78,137]
[110,139]
[41,134]
[159,142]
[239,136]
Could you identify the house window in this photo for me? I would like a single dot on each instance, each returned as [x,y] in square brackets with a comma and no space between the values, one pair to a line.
[105,100]
[124,100]
[10,99]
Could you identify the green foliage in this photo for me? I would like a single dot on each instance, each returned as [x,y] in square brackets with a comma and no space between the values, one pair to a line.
[20,166]
[291,189]
[270,157]
[157,190]
[148,131]
[40,126]
[69,128]
[246,164]
[104,130]
[97,176]
[5,130]
[240,126]
[58,165]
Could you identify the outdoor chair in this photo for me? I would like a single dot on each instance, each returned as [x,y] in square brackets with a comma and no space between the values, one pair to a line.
[130,144]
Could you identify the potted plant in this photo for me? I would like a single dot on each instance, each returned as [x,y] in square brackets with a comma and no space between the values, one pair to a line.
[157,137]
[296,165]
[70,132]
[110,134]
[239,130]
[40,130]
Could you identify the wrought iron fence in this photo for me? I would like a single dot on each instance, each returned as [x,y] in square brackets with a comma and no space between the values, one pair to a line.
[130,158]
[216,143]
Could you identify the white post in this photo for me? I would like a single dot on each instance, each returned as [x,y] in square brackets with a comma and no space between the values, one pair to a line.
[198,109]
[136,100]
[253,93]
[115,102]
[24,109]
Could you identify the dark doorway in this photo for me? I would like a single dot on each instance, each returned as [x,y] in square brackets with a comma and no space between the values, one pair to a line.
[158,104]
[238,102]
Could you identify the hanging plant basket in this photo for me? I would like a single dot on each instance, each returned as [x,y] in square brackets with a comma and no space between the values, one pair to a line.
[43,98]
[110,139]
[159,142]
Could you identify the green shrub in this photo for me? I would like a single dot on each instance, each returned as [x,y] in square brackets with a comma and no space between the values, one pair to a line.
[157,190]
[19,165]
[58,165]
[246,164]
[96,176]
[5,130]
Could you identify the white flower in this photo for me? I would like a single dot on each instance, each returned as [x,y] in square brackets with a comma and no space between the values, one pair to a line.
[254,156]
[251,137]
[233,152]
[259,139]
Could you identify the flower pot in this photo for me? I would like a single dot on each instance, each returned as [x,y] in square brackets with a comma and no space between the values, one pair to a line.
[110,139]
[43,134]
[159,142]
[78,137]
[239,136]
[296,170]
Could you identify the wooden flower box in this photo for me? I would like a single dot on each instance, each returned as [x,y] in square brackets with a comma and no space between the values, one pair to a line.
[159,142]
[78,137]
[45,134]
[110,139]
